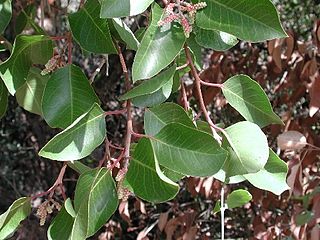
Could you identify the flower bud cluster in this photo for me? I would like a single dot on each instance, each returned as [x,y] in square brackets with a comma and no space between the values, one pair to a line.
[182,12]
[47,208]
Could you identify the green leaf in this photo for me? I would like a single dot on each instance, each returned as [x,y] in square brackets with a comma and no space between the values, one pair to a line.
[67,95]
[79,167]
[155,98]
[304,218]
[140,33]
[79,139]
[158,48]
[216,40]
[90,31]
[159,116]
[3,99]
[5,14]
[248,149]
[238,198]
[146,178]
[11,219]
[275,171]
[188,151]
[249,99]
[126,34]
[23,17]
[123,8]
[217,207]
[27,50]
[61,226]
[248,20]
[95,202]
[29,95]
[152,85]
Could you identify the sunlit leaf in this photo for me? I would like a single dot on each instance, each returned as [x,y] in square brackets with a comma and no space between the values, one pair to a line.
[27,50]
[188,151]
[246,19]
[126,34]
[158,48]
[79,139]
[238,198]
[249,99]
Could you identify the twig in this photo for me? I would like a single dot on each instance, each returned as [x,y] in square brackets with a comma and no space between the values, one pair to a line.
[129,113]
[116,112]
[107,155]
[58,183]
[218,85]
[182,66]
[184,97]
[201,102]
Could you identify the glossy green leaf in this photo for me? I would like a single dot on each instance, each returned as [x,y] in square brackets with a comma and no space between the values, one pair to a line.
[123,8]
[238,198]
[90,31]
[67,95]
[21,21]
[275,171]
[214,39]
[10,220]
[79,167]
[140,33]
[158,48]
[79,139]
[246,19]
[29,95]
[27,50]
[152,85]
[248,149]
[3,99]
[5,14]
[126,34]
[145,177]
[159,116]
[95,202]
[61,226]
[249,99]
[155,98]
[188,151]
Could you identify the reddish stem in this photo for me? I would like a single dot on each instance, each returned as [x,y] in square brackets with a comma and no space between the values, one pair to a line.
[117,161]
[58,183]
[184,97]
[58,38]
[198,87]
[129,113]
[218,85]
[116,112]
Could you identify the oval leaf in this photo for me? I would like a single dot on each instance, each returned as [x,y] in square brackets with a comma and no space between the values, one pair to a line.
[216,40]
[291,140]
[3,99]
[158,48]
[5,14]
[29,95]
[249,99]
[145,177]
[126,34]
[123,8]
[188,151]
[11,219]
[248,149]
[95,202]
[152,85]
[248,20]
[61,226]
[67,95]
[159,116]
[155,98]
[238,198]
[275,171]
[27,50]
[90,31]
[79,139]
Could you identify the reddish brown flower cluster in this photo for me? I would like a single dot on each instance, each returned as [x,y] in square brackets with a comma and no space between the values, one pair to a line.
[182,12]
